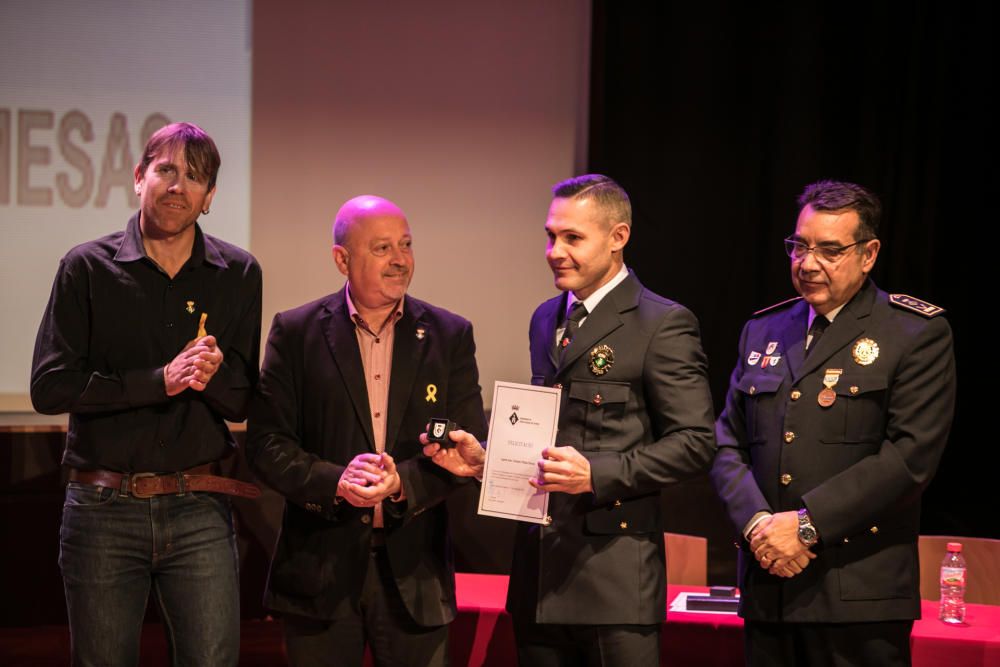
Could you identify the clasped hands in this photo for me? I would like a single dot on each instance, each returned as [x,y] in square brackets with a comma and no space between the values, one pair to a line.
[369,479]
[193,367]
[776,546]
[561,469]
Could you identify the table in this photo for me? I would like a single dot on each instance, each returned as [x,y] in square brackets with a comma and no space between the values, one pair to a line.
[482,634]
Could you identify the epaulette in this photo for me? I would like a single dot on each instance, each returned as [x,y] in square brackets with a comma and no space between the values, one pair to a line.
[916,305]
[777,306]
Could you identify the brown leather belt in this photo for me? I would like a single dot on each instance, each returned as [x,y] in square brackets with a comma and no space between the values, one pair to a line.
[149,484]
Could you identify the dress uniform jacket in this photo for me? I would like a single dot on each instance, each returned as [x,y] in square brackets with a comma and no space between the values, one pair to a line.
[859,465]
[310,416]
[644,419]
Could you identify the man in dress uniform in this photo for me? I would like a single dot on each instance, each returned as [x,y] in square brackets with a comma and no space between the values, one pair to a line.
[635,415]
[837,413]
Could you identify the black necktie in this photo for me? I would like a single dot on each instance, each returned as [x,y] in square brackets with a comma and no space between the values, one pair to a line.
[577,312]
[819,325]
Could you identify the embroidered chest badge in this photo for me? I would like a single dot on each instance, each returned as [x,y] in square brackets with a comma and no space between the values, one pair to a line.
[865,351]
[602,358]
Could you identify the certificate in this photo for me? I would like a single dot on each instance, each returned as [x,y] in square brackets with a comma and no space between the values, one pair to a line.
[523,422]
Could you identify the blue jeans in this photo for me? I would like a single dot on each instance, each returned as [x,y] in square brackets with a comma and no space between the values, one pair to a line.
[114,548]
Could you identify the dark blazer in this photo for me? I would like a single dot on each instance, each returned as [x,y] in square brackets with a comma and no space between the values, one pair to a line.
[859,465]
[644,423]
[310,417]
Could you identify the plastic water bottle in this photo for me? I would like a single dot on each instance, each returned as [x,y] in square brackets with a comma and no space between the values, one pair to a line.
[952,609]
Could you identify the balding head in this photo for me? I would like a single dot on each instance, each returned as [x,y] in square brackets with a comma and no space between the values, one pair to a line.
[359,209]
[373,248]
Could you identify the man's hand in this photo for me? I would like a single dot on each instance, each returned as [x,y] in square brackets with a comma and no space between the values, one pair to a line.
[465,459]
[776,546]
[193,367]
[368,480]
[563,470]
[793,566]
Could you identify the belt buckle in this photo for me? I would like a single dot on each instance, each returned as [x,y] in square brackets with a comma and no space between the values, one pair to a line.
[135,477]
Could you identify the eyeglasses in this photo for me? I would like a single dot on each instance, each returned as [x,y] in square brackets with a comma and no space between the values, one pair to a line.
[824,253]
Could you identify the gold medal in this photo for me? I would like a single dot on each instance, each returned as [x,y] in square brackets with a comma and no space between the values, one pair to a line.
[828,396]
[602,358]
[865,351]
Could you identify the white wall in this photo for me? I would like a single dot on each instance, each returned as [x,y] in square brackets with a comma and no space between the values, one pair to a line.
[463,113]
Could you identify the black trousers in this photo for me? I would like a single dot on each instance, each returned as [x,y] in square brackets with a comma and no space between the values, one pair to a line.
[382,622]
[883,644]
[554,645]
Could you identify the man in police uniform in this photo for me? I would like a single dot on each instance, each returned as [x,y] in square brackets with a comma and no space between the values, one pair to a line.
[836,417]
[635,415]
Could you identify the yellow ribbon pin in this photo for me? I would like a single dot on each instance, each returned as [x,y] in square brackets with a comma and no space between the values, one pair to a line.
[432,391]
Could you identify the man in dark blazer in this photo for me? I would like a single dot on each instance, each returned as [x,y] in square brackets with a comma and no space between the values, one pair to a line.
[837,414]
[348,383]
[635,415]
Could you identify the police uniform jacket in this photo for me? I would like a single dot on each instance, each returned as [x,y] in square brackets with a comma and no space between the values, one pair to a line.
[859,465]
[643,419]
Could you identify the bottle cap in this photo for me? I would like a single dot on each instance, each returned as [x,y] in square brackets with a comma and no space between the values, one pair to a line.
[954,546]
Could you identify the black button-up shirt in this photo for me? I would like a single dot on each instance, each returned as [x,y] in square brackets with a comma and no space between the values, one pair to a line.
[114,320]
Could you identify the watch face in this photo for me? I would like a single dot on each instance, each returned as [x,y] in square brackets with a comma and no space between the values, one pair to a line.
[807,535]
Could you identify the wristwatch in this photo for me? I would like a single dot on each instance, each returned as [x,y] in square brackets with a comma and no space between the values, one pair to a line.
[807,532]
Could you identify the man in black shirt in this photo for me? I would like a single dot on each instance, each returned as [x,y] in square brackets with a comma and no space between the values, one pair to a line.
[150,341]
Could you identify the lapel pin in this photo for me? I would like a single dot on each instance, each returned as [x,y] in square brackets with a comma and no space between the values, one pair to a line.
[421,332]
[770,360]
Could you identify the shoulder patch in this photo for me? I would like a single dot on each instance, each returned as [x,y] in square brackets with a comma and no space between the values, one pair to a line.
[777,306]
[916,305]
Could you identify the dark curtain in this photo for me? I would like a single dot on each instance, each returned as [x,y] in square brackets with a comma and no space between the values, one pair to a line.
[713,115]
